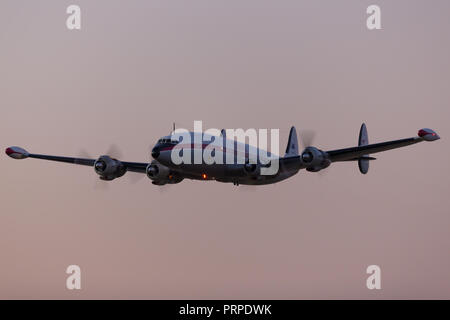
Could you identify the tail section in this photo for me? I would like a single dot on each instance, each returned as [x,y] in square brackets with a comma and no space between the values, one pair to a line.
[292,146]
[363,140]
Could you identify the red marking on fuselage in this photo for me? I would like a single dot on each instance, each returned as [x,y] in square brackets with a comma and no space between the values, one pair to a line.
[204,145]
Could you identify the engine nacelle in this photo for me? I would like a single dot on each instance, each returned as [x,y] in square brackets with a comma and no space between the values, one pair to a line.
[315,159]
[108,168]
[156,171]
[161,175]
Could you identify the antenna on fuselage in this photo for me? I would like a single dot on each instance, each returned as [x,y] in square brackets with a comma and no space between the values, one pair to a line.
[173,127]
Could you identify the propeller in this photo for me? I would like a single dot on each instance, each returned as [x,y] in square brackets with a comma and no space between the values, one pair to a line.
[163,189]
[307,138]
[84,154]
[114,152]
[247,188]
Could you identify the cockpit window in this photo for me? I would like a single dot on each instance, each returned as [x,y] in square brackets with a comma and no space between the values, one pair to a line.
[164,141]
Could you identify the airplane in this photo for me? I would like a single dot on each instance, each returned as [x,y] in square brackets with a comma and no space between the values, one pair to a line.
[162,170]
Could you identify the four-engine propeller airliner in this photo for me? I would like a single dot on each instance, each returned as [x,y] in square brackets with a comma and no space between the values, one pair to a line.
[162,170]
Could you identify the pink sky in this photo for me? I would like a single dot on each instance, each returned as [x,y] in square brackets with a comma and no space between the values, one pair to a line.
[136,67]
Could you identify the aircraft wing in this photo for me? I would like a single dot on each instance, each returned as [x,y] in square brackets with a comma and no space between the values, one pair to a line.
[106,161]
[354,153]
[291,163]
[359,153]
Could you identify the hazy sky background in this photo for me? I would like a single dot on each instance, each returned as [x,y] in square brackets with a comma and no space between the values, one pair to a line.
[137,66]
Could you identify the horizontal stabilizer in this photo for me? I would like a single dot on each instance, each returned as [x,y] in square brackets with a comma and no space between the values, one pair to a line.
[367,158]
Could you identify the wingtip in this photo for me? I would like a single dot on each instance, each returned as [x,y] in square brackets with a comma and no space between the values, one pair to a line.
[428,134]
[17,152]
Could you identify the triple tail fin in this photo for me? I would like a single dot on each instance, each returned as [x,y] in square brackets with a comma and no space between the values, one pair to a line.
[363,140]
[292,145]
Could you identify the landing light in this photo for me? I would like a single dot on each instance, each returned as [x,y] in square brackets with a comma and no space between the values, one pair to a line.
[204,176]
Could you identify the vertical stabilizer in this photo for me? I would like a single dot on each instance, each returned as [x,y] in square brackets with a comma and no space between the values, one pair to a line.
[363,140]
[292,146]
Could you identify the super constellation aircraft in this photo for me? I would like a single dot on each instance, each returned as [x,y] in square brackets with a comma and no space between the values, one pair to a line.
[162,169]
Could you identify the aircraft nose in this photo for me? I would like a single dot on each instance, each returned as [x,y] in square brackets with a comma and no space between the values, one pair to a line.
[155,153]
